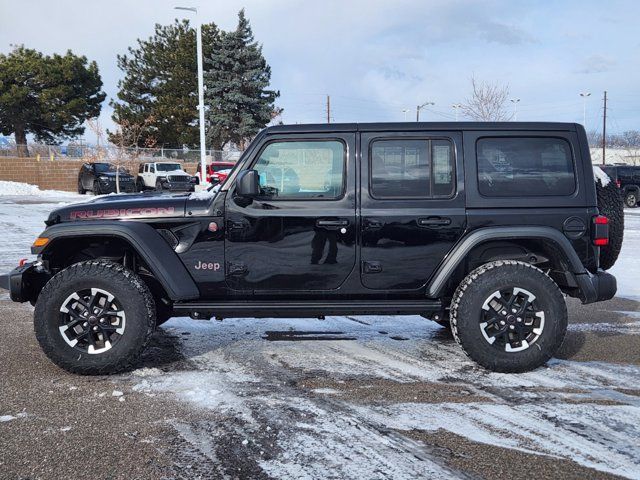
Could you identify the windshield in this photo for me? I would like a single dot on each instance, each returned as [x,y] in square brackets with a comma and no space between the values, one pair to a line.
[104,167]
[168,167]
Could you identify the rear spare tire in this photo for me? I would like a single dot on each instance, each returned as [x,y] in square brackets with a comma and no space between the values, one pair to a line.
[610,204]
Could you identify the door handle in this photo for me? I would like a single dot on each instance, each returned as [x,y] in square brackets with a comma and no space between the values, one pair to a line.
[372,224]
[434,222]
[332,223]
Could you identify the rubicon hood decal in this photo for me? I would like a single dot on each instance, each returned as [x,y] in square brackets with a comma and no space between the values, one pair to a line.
[134,212]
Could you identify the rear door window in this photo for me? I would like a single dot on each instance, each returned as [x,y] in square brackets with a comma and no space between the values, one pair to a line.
[412,168]
[525,167]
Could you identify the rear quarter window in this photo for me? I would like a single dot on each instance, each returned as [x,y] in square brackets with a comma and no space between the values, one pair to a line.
[525,167]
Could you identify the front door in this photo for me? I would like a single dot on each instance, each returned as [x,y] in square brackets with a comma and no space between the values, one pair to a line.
[299,234]
[412,206]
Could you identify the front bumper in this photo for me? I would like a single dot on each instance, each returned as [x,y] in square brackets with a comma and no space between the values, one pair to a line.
[596,287]
[109,186]
[24,282]
[179,186]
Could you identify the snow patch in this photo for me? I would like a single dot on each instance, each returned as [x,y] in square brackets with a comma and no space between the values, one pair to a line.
[6,418]
[8,188]
[205,194]
[601,177]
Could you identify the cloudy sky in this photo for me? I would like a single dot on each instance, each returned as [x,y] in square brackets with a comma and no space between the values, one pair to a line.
[377,58]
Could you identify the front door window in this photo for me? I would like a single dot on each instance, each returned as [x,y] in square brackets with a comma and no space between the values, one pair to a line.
[302,170]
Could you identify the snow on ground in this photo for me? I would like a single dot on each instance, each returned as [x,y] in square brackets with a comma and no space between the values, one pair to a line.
[251,373]
[627,268]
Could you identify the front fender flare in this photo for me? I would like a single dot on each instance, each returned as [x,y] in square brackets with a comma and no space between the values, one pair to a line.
[152,248]
[476,237]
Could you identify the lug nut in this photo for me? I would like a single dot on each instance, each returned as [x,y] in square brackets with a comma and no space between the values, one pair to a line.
[85,324]
[102,320]
[519,319]
[95,329]
[502,322]
[511,327]
[513,310]
[504,312]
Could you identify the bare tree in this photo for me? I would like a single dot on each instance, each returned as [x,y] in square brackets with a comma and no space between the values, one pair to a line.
[488,102]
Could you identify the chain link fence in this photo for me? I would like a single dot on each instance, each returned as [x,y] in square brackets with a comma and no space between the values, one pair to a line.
[82,152]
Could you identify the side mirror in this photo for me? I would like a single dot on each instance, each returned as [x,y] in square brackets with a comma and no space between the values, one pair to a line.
[248,183]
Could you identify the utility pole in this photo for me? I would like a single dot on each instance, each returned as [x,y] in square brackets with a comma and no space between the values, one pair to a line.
[328,109]
[604,130]
[420,107]
[203,151]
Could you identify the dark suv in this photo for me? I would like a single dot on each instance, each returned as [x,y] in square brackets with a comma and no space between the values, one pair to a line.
[102,177]
[627,177]
[480,226]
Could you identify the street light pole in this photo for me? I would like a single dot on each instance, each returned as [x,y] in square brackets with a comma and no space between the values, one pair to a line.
[456,106]
[203,151]
[584,96]
[515,108]
[420,107]
[405,110]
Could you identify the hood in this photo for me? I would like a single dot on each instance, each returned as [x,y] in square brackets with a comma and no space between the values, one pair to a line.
[113,175]
[113,207]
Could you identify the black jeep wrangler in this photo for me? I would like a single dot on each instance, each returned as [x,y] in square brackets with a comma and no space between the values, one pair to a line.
[481,226]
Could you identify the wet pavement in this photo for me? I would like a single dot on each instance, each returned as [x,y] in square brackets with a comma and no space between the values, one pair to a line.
[339,398]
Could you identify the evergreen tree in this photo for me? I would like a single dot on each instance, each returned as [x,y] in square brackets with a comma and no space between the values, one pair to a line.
[158,97]
[239,103]
[47,96]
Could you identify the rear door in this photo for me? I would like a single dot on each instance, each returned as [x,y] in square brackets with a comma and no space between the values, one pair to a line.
[412,206]
[299,234]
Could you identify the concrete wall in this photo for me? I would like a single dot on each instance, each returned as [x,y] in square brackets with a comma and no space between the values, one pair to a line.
[56,174]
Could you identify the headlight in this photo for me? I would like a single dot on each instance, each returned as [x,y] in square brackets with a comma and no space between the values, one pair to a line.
[194,179]
[104,178]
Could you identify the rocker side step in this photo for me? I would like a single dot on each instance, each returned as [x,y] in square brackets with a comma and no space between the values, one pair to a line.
[311,308]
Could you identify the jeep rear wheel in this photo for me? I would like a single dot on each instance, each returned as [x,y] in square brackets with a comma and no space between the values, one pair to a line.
[509,316]
[81,189]
[94,318]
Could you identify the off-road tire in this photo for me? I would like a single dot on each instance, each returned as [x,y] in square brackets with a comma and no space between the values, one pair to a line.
[631,199]
[466,310]
[610,205]
[159,186]
[131,291]
[140,185]
[96,188]
[81,190]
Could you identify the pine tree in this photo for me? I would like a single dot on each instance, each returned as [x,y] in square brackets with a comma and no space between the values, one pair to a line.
[158,97]
[236,95]
[47,96]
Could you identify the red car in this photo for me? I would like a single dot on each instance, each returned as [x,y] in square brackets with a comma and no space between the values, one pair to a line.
[217,172]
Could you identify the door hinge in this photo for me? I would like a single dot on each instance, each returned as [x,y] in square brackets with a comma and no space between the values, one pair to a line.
[236,269]
[371,267]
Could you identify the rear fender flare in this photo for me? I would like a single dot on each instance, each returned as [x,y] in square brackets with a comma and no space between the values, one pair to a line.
[163,262]
[482,235]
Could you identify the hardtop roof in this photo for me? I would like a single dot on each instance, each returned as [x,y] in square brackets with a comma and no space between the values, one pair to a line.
[420,126]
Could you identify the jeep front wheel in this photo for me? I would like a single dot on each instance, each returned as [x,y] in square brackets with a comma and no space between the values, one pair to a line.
[94,318]
[509,316]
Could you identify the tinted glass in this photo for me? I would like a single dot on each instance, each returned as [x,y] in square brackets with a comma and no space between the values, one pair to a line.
[168,167]
[104,167]
[412,168]
[530,167]
[302,169]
